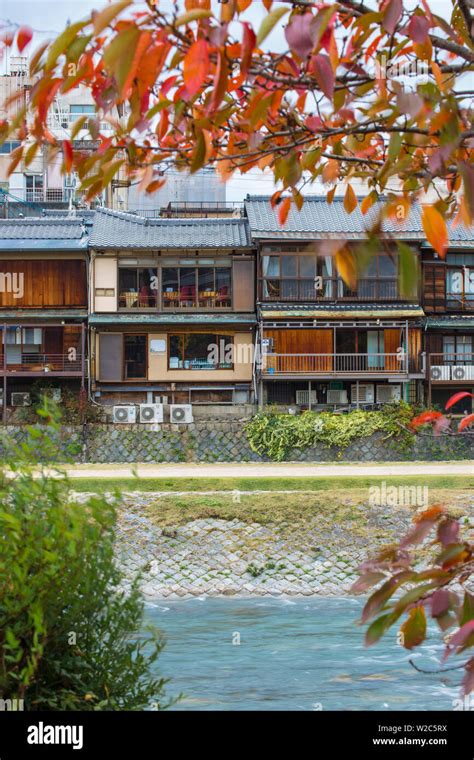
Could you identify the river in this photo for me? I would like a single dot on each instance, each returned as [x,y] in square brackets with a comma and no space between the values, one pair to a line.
[294,654]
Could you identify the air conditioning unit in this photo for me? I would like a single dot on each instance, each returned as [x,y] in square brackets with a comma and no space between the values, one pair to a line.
[181,413]
[336,397]
[462,372]
[151,412]
[21,399]
[366,393]
[387,394]
[302,397]
[124,414]
[440,372]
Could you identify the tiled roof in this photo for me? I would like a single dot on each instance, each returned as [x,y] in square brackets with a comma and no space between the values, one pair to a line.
[163,319]
[113,229]
[319,219]
[319,310]
[43,233]
[464,321]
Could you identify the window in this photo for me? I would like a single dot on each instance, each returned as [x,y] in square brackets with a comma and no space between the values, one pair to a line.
[135,357]
[292,277]
[460,281]
[200,351]
[138,287]
[457,349]
[34,187]
[79,110]
[22,342]
[202,284]
[9,146]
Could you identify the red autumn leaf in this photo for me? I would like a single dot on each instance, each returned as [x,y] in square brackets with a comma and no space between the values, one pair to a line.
[440,602]
[323,73]
[468,680]
[457,397]
[196,67]
[448,532]
[24,37]
[391,15]
[298,34]
[249,40]
[466,422]
[425,418]
[284,210]
[220,82]
[68,155]
[418,27]
[350,200]
[435,229]
[462,638]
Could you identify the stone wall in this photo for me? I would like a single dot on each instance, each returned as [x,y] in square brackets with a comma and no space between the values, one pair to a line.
[223,441]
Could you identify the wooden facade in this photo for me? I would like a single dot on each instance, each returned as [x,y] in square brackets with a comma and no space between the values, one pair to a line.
[43,283]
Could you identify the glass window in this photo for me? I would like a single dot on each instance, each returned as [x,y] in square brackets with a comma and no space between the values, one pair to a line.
[308,266]
[79,110]
[288,266]
[271,266]
[9,146]
[138,287]
[135,357]
[387,267]
[200,351]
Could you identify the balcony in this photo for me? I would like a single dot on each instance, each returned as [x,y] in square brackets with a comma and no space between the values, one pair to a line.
[331,289]
[40,195]
[39,365]
[451,368]
[337,365]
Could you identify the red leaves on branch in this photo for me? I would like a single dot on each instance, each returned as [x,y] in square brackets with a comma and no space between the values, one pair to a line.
[321,68]
[24,37]
[68,156]
[391,15]
[457,397]
[418,28]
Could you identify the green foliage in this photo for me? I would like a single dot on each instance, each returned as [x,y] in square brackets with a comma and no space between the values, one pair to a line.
[75,407]
[275,434]
[68,628]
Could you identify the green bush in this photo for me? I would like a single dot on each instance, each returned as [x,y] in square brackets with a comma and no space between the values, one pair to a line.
[275,434]
[68,628]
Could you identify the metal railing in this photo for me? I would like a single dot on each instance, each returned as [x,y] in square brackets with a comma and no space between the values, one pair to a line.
[286,289]
[325,364]
[43,363]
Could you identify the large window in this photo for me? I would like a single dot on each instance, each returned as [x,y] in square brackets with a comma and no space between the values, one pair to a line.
[305,276]
[200,351]
[34,187]
[457,349]
[138,287]
[135,357]
[460,281]
[190,284]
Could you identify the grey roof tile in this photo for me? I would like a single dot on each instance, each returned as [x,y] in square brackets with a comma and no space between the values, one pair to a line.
[113,229]
[320,219]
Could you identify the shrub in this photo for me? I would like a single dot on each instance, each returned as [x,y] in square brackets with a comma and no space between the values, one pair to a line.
[275,434]
[68,628]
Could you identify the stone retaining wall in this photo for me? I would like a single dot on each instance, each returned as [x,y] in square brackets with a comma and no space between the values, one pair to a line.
[226,441]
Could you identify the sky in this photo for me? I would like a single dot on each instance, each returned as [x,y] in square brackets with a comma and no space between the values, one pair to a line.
[49,17]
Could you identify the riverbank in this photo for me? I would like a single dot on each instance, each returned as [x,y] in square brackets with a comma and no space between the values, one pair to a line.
[260,544]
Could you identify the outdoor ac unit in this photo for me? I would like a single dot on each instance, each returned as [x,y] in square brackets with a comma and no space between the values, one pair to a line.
[462,372]
[151,412]
[302,397]
[124,414]
[440,372]
[336,397]
[366,393]
[21,399]
[388,393]
[181,413]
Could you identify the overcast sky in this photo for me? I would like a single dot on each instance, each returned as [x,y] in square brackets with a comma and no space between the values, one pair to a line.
[49,17]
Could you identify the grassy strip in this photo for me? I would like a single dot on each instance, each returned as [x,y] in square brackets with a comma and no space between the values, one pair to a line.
[307,484]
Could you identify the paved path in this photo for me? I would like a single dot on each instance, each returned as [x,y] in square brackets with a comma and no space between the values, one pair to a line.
[270,470]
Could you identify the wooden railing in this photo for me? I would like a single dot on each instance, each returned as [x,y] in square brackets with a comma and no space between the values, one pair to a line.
[293,290]
[336,364]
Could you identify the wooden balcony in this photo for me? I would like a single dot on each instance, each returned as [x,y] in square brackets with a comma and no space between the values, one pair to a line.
[44,365]
[304,290]
[338,365]
[451,369]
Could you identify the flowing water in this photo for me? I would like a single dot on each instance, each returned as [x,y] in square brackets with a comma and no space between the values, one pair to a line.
[294,654]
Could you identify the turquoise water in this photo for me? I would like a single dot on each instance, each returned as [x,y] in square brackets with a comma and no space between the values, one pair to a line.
[302,654]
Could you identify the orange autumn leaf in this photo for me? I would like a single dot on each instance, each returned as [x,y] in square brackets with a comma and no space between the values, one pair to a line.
[435,229]
[68,156]
[346,266]
[284,210]
[196,66]
[24,37]
[466,422]
[350,200]
[330,171]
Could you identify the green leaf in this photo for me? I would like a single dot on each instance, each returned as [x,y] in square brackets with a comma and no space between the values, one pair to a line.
[467,613]
[103,19]
[414,628]
[270,20]
[62,42]
[394,145]
[377,629]
[407,270]
[194,15]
